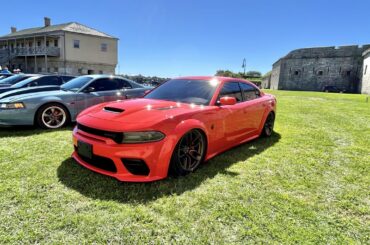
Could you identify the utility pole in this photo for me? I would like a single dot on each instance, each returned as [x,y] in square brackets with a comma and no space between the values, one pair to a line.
[244,65]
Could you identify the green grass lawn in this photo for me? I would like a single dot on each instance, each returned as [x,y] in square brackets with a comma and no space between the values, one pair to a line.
[308,183]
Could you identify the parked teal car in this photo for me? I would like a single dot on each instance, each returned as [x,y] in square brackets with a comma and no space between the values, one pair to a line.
[54,109]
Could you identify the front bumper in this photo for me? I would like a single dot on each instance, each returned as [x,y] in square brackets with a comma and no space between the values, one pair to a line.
[16,117]
[155,155]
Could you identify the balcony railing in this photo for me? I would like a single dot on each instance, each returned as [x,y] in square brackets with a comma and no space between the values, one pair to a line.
[49,51]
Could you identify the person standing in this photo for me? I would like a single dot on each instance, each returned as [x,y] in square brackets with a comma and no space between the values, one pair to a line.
[5,70]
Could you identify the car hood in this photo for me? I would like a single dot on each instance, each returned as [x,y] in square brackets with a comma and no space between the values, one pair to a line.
[35,95]
[137,111]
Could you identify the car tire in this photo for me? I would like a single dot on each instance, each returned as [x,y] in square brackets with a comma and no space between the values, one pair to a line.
[189,153]
[268,126]
[52,116]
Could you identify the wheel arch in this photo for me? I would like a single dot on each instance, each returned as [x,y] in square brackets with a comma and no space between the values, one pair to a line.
[264,118]
[47,103]
[179,131]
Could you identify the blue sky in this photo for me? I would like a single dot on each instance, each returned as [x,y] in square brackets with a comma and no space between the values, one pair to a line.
[197,37]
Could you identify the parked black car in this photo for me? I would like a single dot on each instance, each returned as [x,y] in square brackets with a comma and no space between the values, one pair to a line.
[333,89]
[40,82]
[9,81]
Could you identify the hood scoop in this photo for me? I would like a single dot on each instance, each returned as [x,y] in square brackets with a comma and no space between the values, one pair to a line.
[113,109]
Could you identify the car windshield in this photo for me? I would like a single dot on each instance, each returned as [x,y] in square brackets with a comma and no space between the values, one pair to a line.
[198,92]
[24,82]
[76,83]
[13,79]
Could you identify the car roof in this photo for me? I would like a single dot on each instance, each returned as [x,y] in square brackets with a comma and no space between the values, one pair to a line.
[221,79]
[95,76]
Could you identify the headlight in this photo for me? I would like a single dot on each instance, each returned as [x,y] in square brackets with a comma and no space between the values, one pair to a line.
[18,105]
[141,137]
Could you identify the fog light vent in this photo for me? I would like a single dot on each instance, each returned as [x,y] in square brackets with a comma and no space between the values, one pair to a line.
[136,166]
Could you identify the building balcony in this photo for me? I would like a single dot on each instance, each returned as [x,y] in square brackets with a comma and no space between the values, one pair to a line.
[35,51]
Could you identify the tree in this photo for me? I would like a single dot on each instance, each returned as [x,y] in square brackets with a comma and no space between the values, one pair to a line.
[228,73]
[254,74]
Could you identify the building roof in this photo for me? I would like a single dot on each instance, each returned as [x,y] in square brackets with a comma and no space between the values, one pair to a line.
[68,27]
[326,52]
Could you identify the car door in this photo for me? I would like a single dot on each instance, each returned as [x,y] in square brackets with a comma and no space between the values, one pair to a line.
[94,93]
[233,114]
[253,108]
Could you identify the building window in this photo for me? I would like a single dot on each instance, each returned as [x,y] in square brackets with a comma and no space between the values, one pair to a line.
[80,71]
[47,43]
[296,73]
[104,47]
[320,73]
[348,73]
[56,43]
[55,69]
[101,72]
[39,69]
[365,70]
[30,44]
[48,70]
[76,43]
[38,43]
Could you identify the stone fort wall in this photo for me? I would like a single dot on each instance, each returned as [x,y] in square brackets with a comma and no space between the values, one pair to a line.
[311,69]
[365,88]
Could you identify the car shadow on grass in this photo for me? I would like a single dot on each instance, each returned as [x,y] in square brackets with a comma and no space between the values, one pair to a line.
[97,186]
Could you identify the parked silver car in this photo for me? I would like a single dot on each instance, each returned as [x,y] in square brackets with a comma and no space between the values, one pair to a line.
[53,109]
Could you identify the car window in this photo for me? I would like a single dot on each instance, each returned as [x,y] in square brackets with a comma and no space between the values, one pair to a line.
[105,84]
[14,79]
[122,84]
[66,78]
[76,83]
[231,89]
[45,81]
[197,92]
[249,91]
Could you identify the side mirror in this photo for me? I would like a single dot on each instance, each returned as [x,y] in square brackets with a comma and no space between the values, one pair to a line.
[89,89]
[227,100]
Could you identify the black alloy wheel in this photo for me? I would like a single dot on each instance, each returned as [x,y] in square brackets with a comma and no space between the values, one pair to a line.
[268,127]
[189,153]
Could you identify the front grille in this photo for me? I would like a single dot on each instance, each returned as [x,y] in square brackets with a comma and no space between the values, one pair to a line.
[136,166]
[99,162]
[115,136]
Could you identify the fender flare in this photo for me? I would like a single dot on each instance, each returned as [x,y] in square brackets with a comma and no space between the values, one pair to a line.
[176,134]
